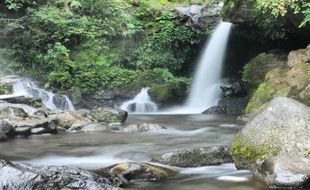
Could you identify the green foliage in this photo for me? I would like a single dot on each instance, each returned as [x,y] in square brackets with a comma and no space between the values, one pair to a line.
[169,45]
[90,46]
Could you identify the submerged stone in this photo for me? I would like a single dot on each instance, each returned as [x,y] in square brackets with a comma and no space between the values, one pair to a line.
[137,172]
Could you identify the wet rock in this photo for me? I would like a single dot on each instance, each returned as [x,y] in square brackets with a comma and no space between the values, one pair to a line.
[39,130]
[285,172]
[216,110]
[138,172]
[40,113]
[196,157]
[3,137]
[16,109]
[30,101]
[92,127]
[143,127]
[67,119]
[11,112]
[109,115]
[6,128]
[20,176]
[281,127]
[35,125]
[231,88]
[22,130]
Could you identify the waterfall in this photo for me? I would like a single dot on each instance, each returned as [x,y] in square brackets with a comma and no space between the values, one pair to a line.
[141,103]
[205,91]
[28,88]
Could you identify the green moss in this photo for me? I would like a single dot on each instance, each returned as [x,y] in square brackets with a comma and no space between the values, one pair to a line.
[255,71]
[265,93]
[245,152]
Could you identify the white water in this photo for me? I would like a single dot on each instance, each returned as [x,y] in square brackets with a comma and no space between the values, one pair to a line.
[141,103]
[205,91]
[28,88]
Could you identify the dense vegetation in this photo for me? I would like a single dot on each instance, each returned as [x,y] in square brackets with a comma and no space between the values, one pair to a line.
[91,46]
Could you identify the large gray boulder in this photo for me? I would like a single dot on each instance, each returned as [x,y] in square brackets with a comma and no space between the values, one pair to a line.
[67,119]
[196,157]
[286,172]
[280,128]
[26,177]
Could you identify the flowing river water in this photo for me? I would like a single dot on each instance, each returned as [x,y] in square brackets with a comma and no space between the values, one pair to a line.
[97,150]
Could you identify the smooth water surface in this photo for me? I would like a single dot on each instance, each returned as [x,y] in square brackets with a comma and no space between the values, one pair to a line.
[96,150]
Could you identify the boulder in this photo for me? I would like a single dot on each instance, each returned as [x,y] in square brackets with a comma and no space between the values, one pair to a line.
[67,119]
[272,75]
[285,172]
[92,127]
[142,127]
[109,115]
[231,88]
[26,177]
[280,128]
[216,110]
[299,56]
[36,125]
[6,128]
[11,112]
[16,110]
[196,157]
[138,172]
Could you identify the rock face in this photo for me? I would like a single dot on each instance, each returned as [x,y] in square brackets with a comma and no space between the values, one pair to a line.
[142,127]
[281,128]
[197,157]
[286,172]
[248,18]
[198,15]
[138,172]
[216,110]
[109,115]
[26,177]
[272,76]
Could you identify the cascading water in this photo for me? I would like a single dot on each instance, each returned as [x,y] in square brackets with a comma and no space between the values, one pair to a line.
[141,103]
[205,91]
[27,88]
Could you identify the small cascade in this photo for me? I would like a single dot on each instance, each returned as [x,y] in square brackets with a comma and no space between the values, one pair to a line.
[28,88]
[141,103]
[205,91]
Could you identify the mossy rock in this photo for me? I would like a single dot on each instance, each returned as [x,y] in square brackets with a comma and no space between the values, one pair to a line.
[280,128]
[109,115]
[162,93]
[255,71]
[6,89]
[265,93]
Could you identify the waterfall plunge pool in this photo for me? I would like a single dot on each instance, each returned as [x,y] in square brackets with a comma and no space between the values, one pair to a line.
[97,150]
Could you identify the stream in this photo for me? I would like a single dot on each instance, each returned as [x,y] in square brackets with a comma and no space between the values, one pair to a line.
[97,150]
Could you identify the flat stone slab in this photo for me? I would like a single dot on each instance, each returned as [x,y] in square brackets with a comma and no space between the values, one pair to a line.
[10,96]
